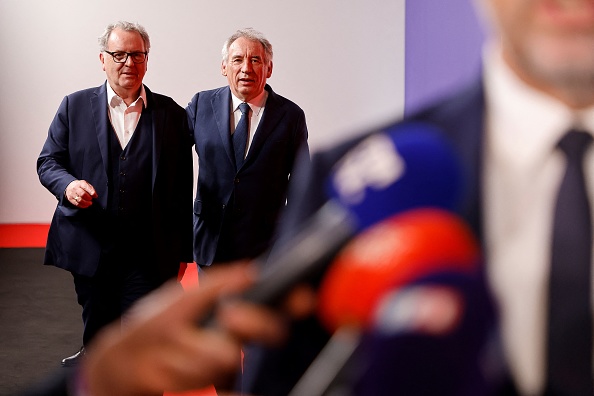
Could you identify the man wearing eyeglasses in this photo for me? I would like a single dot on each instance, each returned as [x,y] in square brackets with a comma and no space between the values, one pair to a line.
[118,160]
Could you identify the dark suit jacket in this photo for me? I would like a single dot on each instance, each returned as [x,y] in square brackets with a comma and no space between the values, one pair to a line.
[248,201]
[77,148]
[460,117]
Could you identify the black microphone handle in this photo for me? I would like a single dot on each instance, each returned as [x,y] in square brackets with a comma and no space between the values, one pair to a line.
[323,375]
[308,253]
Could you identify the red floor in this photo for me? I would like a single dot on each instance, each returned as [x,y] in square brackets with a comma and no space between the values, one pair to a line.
[35,235]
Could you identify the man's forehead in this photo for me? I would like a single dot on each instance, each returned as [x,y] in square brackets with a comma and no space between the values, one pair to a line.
[246,45]
[119,34]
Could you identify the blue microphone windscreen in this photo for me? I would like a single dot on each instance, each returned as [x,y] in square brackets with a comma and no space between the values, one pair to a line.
[407,166]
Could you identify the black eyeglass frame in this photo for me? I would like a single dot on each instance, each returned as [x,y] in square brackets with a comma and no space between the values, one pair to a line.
[128,54]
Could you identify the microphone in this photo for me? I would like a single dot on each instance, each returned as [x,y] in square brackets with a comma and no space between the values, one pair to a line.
[432,337]
[395,252]
[414,276]
[406,166]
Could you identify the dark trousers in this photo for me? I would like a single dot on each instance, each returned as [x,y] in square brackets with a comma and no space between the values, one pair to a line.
[119,282]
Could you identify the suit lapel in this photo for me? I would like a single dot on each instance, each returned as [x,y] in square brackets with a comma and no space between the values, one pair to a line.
[101,120]
[272,115]
[158,127]
[102,127]
[221,104]
[470,125]
[462,119]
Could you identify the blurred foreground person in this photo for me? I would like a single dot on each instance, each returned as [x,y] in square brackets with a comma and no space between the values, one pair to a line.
[522,132]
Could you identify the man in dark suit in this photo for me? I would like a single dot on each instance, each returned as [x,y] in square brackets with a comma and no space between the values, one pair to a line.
[118,160]
[509,129]
[242,183]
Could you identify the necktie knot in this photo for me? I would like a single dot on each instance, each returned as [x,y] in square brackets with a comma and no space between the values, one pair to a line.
[244,108]
[574,144]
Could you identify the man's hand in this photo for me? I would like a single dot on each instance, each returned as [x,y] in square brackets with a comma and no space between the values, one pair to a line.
[80,193]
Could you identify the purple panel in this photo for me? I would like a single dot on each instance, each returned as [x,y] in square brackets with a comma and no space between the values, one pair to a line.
[442,50]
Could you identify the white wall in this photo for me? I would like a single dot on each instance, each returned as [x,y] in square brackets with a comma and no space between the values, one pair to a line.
[341,61]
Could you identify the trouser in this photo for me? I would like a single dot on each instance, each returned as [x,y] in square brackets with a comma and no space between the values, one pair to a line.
[117,284]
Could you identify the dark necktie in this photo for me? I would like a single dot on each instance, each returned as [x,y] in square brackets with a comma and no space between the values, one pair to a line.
[240,135]
[569,343]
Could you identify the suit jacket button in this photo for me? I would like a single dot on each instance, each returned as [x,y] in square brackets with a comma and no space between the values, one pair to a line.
[236,181]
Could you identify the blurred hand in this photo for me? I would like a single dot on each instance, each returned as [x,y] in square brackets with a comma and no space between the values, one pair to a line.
[163,348]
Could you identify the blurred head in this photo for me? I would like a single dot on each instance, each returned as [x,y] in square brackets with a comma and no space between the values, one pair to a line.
[247,63]
[549,44]
[124,50]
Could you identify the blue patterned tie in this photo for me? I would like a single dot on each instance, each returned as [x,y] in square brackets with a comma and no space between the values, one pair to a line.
[569,345]
[240,135]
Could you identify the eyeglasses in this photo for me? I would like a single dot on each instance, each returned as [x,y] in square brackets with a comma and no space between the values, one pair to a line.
[122,57]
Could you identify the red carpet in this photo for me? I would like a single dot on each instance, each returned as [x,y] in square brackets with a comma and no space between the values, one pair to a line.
[35,236]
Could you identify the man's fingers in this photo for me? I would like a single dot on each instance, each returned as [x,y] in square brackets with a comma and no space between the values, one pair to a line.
[80,193]
[218,283]
[190,306]
[88,188]
[247,321]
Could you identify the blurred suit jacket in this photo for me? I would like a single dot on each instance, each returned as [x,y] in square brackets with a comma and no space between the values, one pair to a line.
[460,117]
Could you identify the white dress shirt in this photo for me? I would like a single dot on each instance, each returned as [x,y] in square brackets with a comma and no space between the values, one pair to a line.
[522,174]
[124,119]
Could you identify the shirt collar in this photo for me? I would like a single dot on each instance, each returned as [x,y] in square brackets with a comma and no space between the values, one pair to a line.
[524,123]
[114,100]
[256,104]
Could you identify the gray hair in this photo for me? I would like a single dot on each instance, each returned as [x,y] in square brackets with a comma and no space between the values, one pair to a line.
[125,26]
[249,34]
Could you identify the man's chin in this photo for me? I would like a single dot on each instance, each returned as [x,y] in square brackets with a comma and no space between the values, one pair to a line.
[570,60]
[130,84]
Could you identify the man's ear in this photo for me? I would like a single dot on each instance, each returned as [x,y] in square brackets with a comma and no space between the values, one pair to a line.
[102,59]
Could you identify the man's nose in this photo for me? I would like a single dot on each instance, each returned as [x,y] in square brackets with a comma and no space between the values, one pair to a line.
[129,62]
[246,67]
